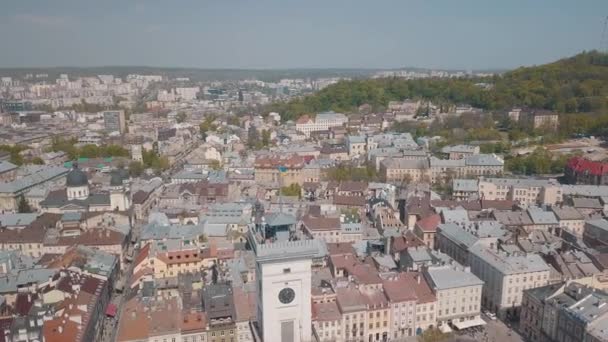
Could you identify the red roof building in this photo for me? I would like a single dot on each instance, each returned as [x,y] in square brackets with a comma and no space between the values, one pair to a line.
[583,171]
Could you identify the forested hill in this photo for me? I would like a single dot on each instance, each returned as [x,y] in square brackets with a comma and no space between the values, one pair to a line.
[575,84]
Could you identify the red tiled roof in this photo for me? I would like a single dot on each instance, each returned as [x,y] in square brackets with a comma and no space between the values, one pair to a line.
[578,164]
[303,119]
[321,223]
[430,223]
[353,201]
[326,312]
[341,249]
[401,243]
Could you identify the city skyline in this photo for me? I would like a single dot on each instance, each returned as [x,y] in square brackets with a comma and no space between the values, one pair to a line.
[289,35]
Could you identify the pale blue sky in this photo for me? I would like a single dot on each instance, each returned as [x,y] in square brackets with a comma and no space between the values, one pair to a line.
[467,34]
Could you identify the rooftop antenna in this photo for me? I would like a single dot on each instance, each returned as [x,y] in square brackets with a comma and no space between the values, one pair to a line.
[604,41]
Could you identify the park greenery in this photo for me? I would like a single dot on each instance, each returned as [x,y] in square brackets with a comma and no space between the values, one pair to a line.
[23,207]
[346,172]
[573,85]
[293,189]
[15,153]
[208,125]
[73,151]
[540,161]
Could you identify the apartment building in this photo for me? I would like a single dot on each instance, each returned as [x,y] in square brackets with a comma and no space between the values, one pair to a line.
[457,238]
[525,191]
[321,122]
[583,171]
[405,170]
[544,119]
[570,219]
[458,293]
[506,276]
[459,151]
[357,145]
[280,169]
[436,170]
[114,121]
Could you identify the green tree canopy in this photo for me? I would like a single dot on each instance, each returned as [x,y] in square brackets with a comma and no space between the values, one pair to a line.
[23,206]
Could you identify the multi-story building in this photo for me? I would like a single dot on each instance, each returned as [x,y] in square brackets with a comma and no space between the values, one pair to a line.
[457,238]
[596,232]
[570,219]
[506,276]
[353,308]
[459,151]
[436,170]
[218,302]
[405,170]
[284,170]
[544,119]
[583,171]
[524,191]
[169,262]
[403,305]
[458,293]
[357,145]
[327,321]
[426,229]
[321,122]
[114,121]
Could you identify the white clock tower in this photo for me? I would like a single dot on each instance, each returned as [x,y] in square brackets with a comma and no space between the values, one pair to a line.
[283,273]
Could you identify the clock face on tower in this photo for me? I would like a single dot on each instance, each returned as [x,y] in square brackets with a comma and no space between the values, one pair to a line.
[286,295]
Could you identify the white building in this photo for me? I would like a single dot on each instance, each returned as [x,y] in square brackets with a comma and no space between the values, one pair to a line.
[321,122]
[458,293]
[506,276]
[283,270]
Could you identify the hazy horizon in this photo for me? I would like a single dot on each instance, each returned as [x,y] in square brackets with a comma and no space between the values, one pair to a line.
[279,35]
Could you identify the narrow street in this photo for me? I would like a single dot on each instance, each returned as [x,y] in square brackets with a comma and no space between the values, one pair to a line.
[110,324]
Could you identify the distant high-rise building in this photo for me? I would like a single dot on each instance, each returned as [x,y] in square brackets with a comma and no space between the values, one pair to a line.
[114,121]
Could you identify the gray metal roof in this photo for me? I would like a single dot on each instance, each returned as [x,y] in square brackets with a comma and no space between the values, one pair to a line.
[510,263]
[40,176]
[7,166]
[452,276]
[468,185]
[484,160]
[17,219]
[540,216]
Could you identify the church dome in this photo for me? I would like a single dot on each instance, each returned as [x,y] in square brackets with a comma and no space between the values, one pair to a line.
[76,178]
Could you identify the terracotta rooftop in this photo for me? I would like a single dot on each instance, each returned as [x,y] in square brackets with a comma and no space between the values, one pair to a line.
[401,243]
[578,164]
[352,201]
[324,312]
[340,249]
[193,322]
[429,224]
[321,223]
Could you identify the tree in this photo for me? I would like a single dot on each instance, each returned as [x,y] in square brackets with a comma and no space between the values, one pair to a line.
[136,168]
[181,117]
[207,126]
[293,189]
[570,85]
[23,206]
[433,335]
[37,161]
[215,165]
[265,138]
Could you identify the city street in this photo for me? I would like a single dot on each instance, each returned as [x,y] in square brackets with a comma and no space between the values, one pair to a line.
[110,325]
[493,331]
